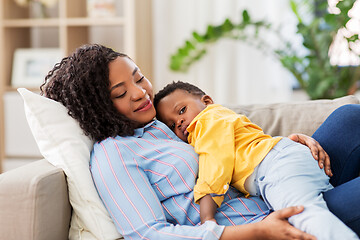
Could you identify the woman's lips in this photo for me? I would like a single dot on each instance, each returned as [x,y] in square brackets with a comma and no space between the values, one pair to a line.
[144,107]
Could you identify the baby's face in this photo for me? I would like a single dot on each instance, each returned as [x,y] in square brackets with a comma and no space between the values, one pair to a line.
[178,109]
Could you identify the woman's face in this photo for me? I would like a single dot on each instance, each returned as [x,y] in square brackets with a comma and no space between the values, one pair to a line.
[130,92]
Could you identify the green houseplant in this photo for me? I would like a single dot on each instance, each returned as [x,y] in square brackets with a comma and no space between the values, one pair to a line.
[312,69]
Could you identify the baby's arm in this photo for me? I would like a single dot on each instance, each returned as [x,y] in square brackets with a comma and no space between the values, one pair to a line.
[215,146]
[207,209]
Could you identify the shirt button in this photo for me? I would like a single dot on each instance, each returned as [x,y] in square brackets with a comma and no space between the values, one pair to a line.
[225,187]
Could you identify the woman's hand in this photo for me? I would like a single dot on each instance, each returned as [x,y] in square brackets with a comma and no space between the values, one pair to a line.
[276,225]
[316,150]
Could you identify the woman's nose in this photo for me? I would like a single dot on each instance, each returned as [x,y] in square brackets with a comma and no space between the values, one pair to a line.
[137,93]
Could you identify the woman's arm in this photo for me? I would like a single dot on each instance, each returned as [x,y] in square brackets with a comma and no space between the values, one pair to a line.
[317,151]
[275,226]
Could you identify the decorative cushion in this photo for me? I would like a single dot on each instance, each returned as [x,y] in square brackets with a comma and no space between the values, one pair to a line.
[61,141]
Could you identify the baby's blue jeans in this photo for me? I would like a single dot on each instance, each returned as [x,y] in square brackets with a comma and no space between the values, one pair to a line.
[290,176]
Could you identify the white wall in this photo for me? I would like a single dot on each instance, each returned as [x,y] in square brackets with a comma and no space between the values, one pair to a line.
[19,141]
[231,72]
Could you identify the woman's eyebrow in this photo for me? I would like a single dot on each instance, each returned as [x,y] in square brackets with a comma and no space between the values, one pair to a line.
[135,70]
[115,86]
[119,84]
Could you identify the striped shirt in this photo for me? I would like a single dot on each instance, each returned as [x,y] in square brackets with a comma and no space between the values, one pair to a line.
[146,182]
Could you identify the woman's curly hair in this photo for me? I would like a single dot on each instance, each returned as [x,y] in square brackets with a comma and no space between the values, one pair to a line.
[81,83]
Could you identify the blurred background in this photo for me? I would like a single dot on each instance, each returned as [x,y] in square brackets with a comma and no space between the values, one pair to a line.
[239,52]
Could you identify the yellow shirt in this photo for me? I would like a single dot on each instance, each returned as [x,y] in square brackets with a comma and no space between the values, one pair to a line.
[230,146]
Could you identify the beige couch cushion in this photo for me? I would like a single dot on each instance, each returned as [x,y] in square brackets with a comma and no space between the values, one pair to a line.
[31,197]
[282,119]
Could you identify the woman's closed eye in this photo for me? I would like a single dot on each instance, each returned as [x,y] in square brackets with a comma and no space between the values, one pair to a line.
[121,95]
[140,80]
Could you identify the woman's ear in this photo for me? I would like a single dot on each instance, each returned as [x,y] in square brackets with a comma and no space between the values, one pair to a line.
[206,99]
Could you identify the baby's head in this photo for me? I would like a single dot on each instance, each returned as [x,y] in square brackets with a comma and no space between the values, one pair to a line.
[178,103]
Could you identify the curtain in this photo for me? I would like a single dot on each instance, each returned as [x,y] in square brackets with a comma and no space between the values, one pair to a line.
[231,72]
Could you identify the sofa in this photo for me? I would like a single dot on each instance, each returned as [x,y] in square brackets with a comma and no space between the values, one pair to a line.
[35,199]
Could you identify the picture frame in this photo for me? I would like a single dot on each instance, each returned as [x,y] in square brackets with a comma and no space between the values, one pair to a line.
[101,8]
[31,65]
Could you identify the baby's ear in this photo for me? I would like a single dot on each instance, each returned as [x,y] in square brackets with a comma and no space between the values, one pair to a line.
[206,99]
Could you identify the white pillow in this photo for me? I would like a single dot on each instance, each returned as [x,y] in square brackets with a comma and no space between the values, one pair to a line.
[62,142]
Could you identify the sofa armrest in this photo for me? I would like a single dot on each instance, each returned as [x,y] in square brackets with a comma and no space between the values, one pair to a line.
[34,203]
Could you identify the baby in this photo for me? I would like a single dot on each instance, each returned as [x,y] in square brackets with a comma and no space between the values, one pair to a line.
[234,151]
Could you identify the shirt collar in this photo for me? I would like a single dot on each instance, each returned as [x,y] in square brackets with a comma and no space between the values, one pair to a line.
[139,132]
[208,108]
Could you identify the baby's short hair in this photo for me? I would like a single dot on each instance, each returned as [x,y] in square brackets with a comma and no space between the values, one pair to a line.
[171,87]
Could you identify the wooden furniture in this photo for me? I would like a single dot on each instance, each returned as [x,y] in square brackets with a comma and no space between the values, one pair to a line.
[67,27]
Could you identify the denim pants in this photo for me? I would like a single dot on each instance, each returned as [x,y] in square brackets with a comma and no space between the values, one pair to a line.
[339,135]
[289,176]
